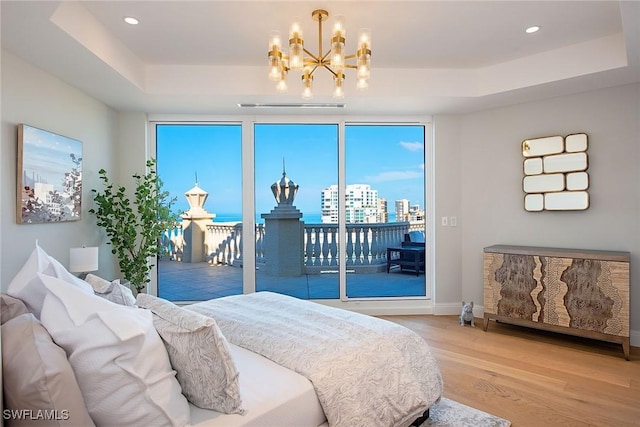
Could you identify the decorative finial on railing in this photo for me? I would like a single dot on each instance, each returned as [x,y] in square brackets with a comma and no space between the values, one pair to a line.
[284,190]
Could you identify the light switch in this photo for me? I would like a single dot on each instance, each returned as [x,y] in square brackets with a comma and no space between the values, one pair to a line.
[453,221]
[444,221]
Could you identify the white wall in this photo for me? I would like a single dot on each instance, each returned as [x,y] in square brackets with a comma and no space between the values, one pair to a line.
[478,177]
[448,274]
[491,174]
[34,97]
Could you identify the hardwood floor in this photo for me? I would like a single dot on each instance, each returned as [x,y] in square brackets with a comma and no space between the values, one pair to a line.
[531,377]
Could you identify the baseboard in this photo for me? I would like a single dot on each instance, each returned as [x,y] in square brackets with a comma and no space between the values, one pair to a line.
[450,309]
[424,307]
[384,307]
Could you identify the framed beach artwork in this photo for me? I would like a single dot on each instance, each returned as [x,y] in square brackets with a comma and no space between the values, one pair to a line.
[49,177]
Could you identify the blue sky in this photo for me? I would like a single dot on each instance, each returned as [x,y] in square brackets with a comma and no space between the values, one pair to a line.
[46,156]
[389,158]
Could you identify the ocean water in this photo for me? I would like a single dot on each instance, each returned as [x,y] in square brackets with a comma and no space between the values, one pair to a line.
[309,218]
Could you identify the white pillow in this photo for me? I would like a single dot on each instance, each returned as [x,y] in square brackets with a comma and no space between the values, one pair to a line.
[37,376]
[113,291]
[199,353]
[28,287]
[119,360]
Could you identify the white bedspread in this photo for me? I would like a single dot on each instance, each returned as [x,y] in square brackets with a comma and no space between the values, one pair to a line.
[366,371]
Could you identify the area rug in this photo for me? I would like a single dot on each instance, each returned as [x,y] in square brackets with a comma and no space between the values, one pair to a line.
[449,413]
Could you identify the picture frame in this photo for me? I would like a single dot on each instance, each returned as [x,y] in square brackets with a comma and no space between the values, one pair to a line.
[49,177]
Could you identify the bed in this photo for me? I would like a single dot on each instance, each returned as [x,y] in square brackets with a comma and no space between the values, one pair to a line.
[262,359]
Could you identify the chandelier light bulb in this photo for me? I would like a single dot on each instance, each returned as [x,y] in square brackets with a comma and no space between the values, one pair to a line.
[275,65]
[306,93]
[296,30]
[296,62]
[338,91]
[281,86]
[363,70]
[339,26]
[274,74]
[337,44]
[362,84]
[337,58]
[364,38]
[307,80]
[275,40]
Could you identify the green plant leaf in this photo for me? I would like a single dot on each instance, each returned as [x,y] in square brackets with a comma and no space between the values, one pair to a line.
[135,225]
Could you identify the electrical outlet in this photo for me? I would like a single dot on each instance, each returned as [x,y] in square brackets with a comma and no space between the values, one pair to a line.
[444,221]
[453,221]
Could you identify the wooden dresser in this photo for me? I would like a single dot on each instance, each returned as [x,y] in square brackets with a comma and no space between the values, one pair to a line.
[578,292]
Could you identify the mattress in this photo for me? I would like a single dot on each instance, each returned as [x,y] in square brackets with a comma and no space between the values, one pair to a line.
[271,394]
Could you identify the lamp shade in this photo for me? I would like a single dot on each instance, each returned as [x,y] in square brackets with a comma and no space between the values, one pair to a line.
[83,259]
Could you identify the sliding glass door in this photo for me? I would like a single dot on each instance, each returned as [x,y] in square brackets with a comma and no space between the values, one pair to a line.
[200,166]
[296,249]
[339,211]
[385,210]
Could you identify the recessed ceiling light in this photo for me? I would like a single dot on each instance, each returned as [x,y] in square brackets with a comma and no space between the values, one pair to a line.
[131,20]
[532,30]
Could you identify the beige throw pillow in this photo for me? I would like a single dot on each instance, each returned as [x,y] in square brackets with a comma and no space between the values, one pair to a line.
[38,379]
[199,353]
[11,307]
[112,291]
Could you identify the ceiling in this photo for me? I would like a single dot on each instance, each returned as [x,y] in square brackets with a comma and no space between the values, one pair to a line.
[428,57]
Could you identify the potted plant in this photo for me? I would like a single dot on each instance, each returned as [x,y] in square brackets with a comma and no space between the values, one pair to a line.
[135,225]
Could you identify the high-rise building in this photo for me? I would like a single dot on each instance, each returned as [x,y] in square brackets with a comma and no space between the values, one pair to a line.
[383,213]
[361,204]
[415,213]
[402,210]
[329,205]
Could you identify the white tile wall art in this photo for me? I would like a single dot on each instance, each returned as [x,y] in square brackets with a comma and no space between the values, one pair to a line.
[555,173]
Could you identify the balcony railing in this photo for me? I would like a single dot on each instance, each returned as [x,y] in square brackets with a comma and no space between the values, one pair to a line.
[366,244]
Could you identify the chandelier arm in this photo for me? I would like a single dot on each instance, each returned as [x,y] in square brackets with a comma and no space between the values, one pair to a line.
[314,70]
[350,66]
[324,57]
[350,56]
[314,57]
[330,70]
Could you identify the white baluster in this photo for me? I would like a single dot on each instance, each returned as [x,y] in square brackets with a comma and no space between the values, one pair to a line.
[350,230]
[333,249]
[308,236]
[366,249]
[317,248]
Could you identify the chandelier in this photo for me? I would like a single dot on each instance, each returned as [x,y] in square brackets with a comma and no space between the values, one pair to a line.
[333,60]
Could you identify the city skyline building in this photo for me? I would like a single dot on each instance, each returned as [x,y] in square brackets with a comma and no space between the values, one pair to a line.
[361,204]
[383,212]
[402,210]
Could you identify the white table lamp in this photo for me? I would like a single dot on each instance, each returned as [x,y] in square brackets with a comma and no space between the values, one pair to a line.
[83,260]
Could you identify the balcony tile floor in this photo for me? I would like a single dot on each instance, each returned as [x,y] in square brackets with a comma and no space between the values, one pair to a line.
[179,282]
